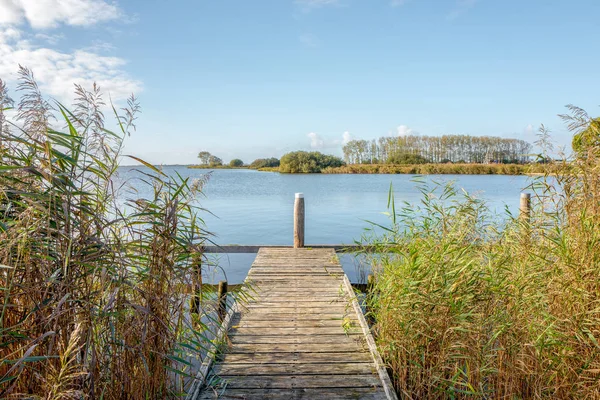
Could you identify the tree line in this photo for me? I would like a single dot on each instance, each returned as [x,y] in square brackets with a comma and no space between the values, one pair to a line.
[210,160]
[293,162]
[437,149]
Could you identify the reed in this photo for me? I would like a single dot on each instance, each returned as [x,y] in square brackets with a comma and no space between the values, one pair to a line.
[466,306]
[430,169]
[94,290]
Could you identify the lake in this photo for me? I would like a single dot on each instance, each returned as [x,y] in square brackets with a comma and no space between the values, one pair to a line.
[251,207]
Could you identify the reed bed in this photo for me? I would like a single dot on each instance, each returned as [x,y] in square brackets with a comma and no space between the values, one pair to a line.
[95,292]
[466,306]
[422,169]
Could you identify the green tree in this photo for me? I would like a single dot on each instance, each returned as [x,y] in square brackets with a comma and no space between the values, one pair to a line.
[215,161]
[204,157]
[236,163]
[407,158]
[265,163]
[307,162]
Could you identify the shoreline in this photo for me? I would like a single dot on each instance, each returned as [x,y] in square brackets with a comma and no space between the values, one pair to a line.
[433,169]
[410,169]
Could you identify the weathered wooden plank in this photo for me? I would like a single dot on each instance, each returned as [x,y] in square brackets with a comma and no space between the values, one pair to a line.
[227,368]
[233,249]
[303,312]
[314,323]
[320,343]
[298,304]
[298,336]
[296,394]
[315,296]
[296,270]
[298,357]
[300,330]
[266,316]
[245,345]
[306,381]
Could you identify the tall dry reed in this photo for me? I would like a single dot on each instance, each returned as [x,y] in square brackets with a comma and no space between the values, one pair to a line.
[467,306]
[95,292]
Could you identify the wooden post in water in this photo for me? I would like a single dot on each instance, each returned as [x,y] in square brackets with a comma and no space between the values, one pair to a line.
[299,221]
[525,207]
[222,298]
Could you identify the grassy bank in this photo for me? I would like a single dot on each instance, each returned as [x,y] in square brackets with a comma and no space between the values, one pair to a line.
[423,169]
[466,307]
[95,299]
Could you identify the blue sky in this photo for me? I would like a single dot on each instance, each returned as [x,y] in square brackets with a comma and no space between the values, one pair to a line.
[259,78]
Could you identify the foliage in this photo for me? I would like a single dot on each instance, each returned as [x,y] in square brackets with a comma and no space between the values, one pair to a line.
[406,158]
[439,149]
[308,162]
[214,161]
[204,157]
[94,298]
[587,138]
[236,162]
[265,163]
[468,307]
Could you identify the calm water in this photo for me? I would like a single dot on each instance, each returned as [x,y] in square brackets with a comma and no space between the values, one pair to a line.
[253,207]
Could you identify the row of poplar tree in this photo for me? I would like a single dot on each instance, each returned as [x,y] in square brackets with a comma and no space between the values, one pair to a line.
[439,149]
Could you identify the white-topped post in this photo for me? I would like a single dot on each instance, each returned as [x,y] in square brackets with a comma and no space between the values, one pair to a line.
[525,207]
[299,221]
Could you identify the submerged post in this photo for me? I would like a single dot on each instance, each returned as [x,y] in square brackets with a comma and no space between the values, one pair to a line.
[299,221]
[525,207]
[222,298]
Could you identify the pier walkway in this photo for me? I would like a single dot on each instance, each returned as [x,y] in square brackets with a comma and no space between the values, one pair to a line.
[301,336]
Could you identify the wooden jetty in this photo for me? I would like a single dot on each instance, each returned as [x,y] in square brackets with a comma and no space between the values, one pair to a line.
[301,336]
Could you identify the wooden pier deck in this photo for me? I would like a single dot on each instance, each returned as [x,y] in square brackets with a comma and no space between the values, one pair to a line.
[302,336]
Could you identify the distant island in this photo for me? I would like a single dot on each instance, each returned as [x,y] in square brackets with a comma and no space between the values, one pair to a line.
[448,154]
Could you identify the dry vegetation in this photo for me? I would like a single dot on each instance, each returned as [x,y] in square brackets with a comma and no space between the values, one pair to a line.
[93,302]
[467,307]
[449,168]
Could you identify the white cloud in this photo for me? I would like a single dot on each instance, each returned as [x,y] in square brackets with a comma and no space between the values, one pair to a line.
[43,14]
[346,137]
[404,130]
[308,5]
[57,71]
[319,142]
[529,129]
[309,40]
[461,7]
[50,39]
[316,142]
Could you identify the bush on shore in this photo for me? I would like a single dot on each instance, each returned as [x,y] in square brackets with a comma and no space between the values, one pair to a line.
[308,162]
[265,163]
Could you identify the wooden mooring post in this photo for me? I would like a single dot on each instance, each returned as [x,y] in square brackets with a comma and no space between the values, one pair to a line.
[222,299]
[525,207]
[299,221]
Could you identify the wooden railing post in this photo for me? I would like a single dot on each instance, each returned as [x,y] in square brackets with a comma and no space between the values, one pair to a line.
[525,207]
[299,221]
[196,286]
[222,298]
